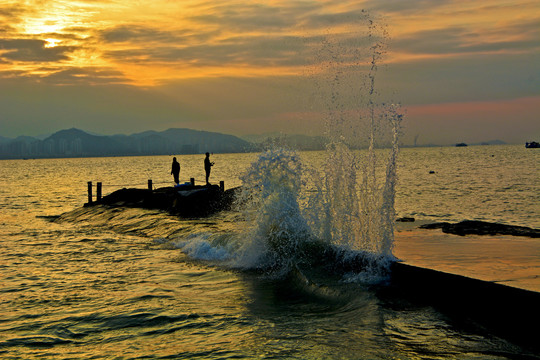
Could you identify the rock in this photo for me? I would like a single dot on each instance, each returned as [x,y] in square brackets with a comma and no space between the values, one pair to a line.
[483,228]
[405,219]
[187,201]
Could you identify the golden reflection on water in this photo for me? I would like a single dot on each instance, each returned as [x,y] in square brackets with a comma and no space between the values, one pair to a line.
[102,283]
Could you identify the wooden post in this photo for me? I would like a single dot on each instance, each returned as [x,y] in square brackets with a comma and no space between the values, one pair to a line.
[98,192]
[192,180]
[222,185]
[89,192]
[150,184]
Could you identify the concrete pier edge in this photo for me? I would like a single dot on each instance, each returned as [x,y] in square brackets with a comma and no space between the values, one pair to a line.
[508,312]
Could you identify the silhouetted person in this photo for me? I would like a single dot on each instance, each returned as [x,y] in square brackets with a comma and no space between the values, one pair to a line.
[207,167]
[175,170]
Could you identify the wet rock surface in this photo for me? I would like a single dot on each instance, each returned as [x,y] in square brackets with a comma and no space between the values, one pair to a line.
[473,227]
[185,201]
[405,219]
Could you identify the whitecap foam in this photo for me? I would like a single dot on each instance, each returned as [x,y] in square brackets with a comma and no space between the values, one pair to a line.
[289,210]
[201,247]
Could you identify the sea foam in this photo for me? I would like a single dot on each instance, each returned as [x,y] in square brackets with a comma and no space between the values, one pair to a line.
[292,213]
[201,247]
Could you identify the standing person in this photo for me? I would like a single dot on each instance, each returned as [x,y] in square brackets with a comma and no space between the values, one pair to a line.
[175,170]
[207,167]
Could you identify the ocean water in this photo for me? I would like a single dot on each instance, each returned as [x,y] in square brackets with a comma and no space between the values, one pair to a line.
[100,283]
[489,183]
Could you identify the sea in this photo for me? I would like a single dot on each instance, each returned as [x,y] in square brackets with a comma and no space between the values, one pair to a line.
[126,283]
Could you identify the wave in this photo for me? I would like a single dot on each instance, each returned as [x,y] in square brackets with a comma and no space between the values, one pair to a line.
[289,216]
[276,226]
[34,342]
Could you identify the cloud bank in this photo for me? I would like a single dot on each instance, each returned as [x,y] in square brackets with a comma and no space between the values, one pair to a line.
[250,67]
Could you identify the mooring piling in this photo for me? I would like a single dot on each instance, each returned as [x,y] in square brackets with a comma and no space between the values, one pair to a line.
[98,191]
[89,192]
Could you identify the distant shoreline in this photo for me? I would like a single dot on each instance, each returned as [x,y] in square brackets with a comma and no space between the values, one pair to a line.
[255,148]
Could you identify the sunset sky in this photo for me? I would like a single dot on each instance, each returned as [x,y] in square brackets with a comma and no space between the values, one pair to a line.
[462,70]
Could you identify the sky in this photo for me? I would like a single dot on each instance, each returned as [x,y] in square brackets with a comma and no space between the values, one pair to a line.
[458,70]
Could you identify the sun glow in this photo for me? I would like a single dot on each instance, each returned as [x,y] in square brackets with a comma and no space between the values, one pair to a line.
[149,43]
[43,26]
[52,42]
[54,19]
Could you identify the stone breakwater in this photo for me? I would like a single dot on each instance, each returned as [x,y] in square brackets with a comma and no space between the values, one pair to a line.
[472,227]
[186,201]
[503,309]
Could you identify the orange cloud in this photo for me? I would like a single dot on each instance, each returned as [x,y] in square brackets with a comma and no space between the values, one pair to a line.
[439,51]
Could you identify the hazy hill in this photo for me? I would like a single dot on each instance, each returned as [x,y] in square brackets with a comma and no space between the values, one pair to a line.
[492,142]
[203,141]
[296,141]
[75,142]
[78,143]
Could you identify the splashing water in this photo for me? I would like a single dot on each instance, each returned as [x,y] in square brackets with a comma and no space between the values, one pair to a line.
[352,206]
[271,189]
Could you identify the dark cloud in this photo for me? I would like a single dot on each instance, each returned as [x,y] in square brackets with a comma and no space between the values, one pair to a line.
[262,35]
[147,42]
[488,62]
[472,77]
[12,11]
[282,17]
[353,17]
[524,36]
[6,29]
[9,16]
[32,50]
[77,29]
[404,6]
[252,17]
[10,74]
[68,35]
[456,40]
[440,41]
[56,75]
[255,50]
[135,33]
[84,76]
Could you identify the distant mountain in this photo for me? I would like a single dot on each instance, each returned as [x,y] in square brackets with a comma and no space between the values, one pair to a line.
[78,143]
[75,142]
[296,141]
[492,142]
[203,141]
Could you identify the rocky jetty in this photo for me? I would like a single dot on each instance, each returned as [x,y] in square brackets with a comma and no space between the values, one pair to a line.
[185,201]
[405,219]
[472,227]
[500,308]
